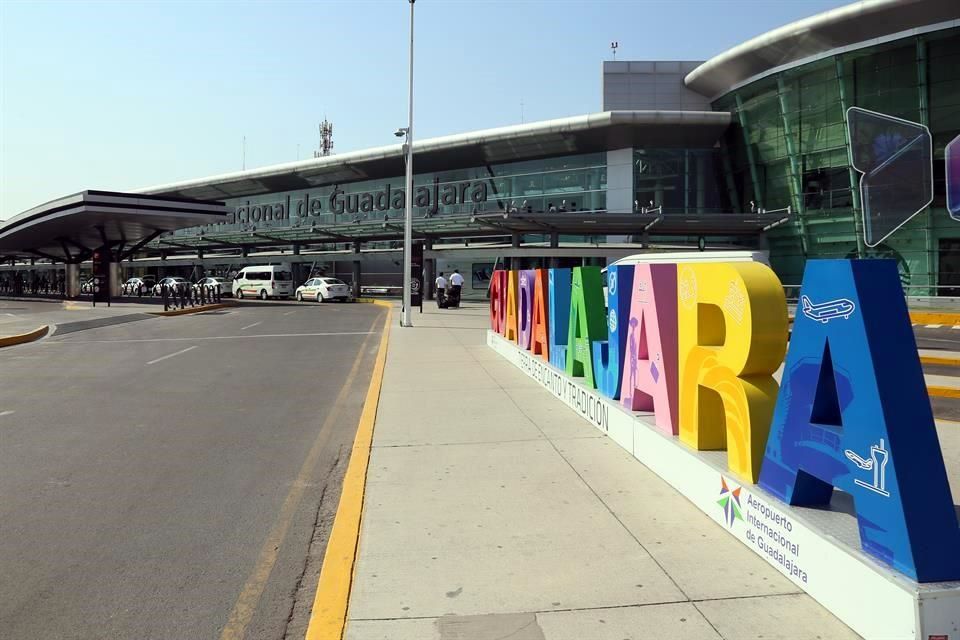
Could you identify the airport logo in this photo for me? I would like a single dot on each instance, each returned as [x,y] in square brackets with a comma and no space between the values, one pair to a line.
[730,503]
[827,311]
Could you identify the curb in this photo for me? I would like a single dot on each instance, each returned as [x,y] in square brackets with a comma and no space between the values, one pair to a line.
[183,312]
[922,317]
[328,616]
[950,362]
[36,334]
[934,317]
[943,392]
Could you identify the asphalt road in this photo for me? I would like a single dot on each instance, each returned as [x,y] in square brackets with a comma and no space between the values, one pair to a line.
[941,337]
[175,477]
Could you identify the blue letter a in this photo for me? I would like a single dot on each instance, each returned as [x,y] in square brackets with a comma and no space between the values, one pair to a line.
[853,413]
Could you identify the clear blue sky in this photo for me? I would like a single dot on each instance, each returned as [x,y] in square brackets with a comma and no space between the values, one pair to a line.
[121,95]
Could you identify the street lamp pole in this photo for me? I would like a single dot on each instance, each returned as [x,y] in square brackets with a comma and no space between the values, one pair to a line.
[406,318]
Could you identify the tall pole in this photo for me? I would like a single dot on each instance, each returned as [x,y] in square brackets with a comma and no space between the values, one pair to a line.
[406,318]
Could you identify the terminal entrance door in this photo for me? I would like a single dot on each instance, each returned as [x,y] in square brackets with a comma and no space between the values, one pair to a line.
[948,275]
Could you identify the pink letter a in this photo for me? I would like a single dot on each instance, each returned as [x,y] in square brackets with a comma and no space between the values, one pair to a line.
[650,359]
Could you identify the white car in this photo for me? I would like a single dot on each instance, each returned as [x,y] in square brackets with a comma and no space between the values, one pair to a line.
[323,289]
[175,282]
[136,286]
[213,283]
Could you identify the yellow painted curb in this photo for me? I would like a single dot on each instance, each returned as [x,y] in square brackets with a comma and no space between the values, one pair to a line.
[36,334]
[928,317]
[943,392]
[329,615]
[951,362]
[183,312]
[934,317]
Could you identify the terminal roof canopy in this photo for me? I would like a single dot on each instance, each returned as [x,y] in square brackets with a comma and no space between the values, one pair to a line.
[70,228]
[563,136]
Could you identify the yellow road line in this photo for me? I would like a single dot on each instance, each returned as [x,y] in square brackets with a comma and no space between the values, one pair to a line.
[252,590]
[329,615]
[952,362]
[935,317]
[30,336]
[943,392]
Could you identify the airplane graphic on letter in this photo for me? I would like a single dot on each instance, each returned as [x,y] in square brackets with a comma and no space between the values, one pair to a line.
[826,311]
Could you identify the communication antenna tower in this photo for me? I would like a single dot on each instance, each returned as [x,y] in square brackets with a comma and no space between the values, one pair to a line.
[613,47]
[326,139]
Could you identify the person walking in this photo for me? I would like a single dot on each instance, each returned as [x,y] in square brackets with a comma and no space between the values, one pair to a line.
[456,286]
[441,286]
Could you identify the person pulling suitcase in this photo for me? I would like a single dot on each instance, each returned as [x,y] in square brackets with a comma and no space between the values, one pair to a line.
[441,286]
[456,287]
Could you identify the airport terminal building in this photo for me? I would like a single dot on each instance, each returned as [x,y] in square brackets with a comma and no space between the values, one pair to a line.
[746,150]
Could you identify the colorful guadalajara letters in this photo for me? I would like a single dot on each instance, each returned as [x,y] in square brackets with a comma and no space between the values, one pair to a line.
[697,345]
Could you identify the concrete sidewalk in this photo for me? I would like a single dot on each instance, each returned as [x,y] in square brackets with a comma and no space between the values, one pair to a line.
[493,511]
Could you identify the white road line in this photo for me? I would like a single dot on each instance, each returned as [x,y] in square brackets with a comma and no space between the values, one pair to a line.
[264,335]
[934,326]
[250,325]
[173,354]
[6,413]
[289,312]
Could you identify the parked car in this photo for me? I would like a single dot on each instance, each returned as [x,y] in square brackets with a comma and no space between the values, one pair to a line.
[212,281]
[173,281]
[323,289]
[137,286]
[263,282]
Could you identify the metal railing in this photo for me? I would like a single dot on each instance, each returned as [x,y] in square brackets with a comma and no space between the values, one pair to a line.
[792,293]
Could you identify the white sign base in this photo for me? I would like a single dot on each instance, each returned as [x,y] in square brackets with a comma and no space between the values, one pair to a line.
[817,549]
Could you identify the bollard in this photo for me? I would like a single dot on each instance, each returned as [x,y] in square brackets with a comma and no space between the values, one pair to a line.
[166,297]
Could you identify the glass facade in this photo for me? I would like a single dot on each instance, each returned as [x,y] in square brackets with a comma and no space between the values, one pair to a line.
[679,180]
[788,147]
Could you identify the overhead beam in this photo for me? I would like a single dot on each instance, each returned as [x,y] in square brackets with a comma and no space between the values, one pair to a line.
[66,250]
[179,245]
[331,234]
[45,255]
[74,243]
[272,238]
[140,245]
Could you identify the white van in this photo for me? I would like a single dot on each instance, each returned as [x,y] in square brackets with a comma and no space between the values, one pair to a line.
[263,282]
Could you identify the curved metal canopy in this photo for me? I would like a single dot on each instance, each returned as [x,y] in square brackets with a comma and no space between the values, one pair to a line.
[70,228]
[857,24]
